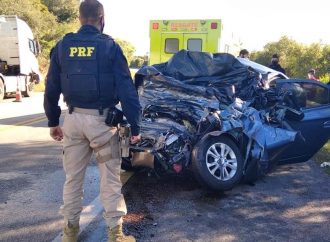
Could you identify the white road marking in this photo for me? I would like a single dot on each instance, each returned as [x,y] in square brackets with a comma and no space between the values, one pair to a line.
[93,209]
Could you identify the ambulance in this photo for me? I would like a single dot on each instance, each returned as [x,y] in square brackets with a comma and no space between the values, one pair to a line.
[167,37]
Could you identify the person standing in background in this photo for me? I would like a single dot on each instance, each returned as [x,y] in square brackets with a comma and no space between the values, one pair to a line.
[275,64]
[244,53]
[311,75]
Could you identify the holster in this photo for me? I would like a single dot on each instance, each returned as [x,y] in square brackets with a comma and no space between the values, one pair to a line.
[114,117]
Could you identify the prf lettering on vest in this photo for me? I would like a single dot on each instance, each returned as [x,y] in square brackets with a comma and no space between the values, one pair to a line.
[81,51]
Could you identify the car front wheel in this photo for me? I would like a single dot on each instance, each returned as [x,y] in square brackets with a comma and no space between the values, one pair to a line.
[217,163]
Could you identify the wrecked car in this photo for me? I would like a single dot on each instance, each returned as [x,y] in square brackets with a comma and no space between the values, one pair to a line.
[226,119]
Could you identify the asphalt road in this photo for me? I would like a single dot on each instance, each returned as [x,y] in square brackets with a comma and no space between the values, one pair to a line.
[290,204]
[31,175]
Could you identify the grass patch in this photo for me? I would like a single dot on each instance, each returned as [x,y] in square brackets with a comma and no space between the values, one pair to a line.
[323,155]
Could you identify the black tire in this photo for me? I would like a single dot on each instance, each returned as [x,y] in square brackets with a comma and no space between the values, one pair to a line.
[2,90]
[224,177]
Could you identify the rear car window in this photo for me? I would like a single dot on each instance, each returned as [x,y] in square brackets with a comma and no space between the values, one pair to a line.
[171,46]
[194,44]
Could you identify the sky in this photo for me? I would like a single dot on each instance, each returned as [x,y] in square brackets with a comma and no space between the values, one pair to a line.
[253,22]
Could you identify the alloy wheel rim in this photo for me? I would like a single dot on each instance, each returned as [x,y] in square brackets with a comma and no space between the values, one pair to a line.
[221,161]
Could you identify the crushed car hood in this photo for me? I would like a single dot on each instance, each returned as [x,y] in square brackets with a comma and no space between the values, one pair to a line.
[183,89]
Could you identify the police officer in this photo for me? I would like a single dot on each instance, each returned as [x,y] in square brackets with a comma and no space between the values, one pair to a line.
[91,72]
[275,64]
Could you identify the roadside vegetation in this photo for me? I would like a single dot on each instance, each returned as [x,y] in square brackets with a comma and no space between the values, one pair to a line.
[297,58]
[50,20]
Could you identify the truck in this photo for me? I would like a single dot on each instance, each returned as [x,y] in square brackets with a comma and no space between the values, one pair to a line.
[167,37]
[19,68]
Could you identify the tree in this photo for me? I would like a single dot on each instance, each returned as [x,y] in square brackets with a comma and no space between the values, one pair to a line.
[325,61]
[295,57]
[33,12]
[287,49]
[137,62]
[65,10]
[45,25]
[127,48]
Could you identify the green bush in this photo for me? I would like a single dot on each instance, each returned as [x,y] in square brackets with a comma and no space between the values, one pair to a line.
[297,58]
[325,78]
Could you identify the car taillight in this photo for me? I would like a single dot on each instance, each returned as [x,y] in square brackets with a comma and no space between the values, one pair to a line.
[155,26]
[214,25]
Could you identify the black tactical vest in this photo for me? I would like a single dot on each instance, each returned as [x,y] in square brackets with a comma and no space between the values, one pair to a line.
[87,80]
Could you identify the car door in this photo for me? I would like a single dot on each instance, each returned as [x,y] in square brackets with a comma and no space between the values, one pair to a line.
[313,99]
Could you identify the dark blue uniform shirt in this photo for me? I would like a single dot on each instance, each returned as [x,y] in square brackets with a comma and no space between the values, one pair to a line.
[277,67]
[123,90]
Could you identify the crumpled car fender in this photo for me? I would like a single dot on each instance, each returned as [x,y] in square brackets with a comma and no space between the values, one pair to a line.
[217,134]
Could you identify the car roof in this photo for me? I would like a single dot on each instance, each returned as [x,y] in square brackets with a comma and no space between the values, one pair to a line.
[304,81]
[262,69]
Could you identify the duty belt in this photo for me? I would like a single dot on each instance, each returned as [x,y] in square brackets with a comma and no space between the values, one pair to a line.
[94,112]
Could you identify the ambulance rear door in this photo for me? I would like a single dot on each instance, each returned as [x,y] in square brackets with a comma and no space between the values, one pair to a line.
[171,43]
[195,42]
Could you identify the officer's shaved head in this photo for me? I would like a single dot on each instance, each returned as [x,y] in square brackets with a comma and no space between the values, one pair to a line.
[91,12]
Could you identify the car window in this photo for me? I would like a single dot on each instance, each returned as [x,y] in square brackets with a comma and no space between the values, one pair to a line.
[171,46]
[194,44]
[304,95]
[315,95]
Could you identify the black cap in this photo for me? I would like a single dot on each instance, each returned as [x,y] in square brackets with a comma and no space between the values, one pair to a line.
[244,52]
[275,56]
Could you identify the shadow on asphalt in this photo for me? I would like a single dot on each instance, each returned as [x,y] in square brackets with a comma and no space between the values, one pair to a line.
[291,203]
[28,228]
[31,182]
[27,158]
[24,169]
[24,118]
[37,156]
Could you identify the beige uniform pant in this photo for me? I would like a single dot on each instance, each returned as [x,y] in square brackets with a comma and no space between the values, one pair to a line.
[84,134]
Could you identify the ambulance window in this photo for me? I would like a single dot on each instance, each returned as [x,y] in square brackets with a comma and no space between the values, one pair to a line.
[194,44]
[171,46]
